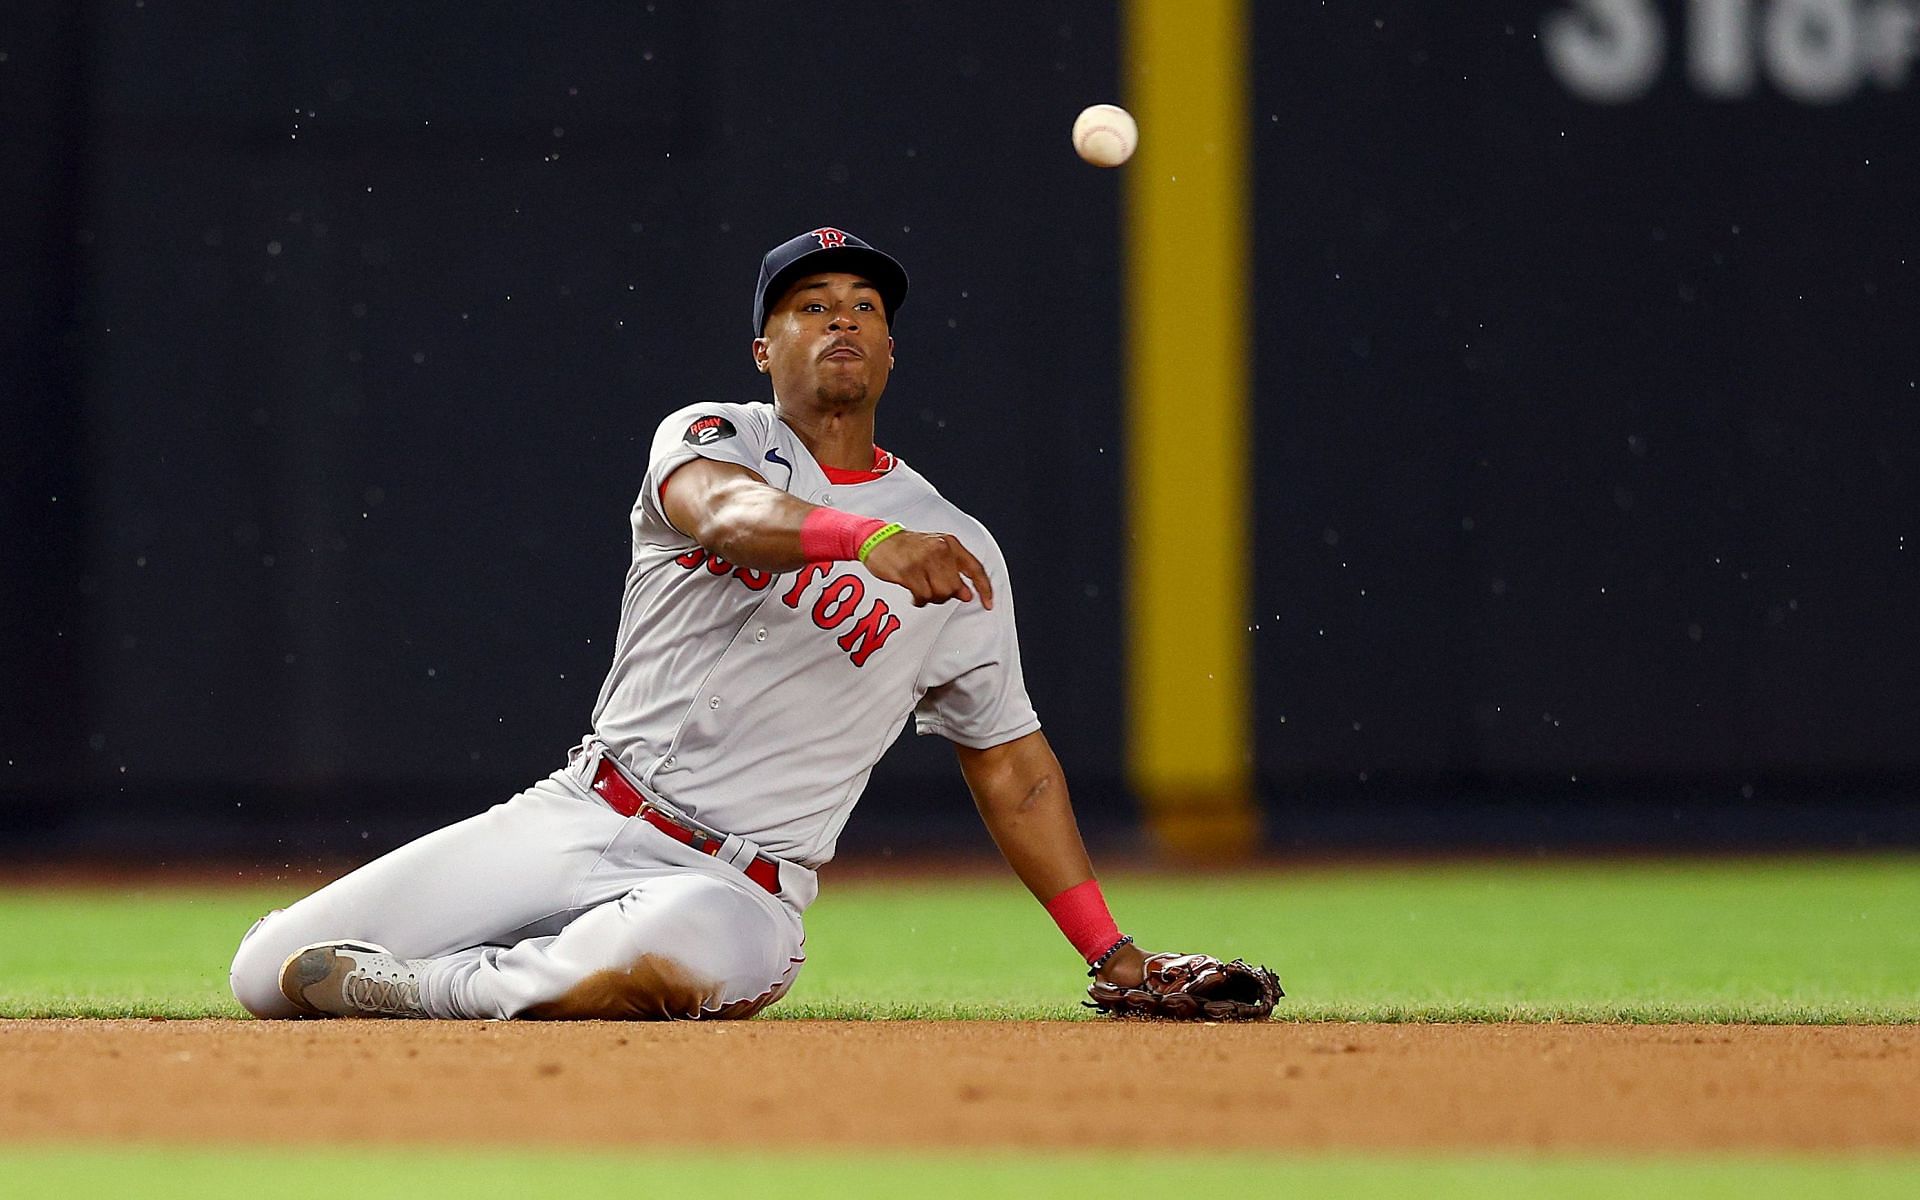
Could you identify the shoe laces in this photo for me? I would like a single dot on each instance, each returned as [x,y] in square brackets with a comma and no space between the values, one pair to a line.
[376,987]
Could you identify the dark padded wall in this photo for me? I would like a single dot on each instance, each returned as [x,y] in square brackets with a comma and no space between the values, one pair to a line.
[1587,442]
[1585,431]
[376,318]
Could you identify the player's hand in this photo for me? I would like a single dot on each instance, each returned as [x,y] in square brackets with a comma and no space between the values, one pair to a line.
[935,567]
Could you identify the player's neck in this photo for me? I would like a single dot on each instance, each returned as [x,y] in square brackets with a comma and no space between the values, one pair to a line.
[841,438]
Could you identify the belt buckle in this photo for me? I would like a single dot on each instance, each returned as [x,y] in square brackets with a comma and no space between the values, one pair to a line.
[696,839]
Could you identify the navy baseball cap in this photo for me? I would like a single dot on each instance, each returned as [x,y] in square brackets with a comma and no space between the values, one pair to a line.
[826,249]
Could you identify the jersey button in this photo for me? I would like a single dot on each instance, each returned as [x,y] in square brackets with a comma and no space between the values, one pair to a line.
[714,702]
[760,636]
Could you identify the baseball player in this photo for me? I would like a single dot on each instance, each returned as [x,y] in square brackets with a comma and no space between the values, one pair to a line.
[795,593]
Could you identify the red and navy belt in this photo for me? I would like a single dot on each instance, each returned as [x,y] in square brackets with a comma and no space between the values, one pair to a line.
[625,799]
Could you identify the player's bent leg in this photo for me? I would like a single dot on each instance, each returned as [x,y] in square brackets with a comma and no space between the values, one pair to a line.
[257,990]
[481,880]
[683,944]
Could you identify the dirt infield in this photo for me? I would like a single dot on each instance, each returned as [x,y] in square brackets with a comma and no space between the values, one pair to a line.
[1033,1085]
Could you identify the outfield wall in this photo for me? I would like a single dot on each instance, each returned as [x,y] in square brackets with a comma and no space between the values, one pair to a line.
[1580,432]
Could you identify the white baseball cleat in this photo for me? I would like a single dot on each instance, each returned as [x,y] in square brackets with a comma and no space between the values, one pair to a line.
[352,979]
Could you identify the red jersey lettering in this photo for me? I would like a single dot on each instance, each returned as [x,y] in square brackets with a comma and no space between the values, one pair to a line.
[838,600]
[869,633]
[833,607]
[807,575]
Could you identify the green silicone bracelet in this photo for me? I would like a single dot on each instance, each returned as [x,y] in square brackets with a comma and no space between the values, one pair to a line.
[879,535]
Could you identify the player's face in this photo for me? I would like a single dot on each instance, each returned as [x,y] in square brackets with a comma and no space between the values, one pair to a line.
[827,341]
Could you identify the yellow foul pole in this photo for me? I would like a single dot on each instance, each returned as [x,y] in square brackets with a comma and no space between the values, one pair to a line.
[1188,304]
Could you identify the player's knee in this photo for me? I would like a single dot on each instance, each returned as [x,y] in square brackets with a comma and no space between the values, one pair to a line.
[654,987]
[255,974]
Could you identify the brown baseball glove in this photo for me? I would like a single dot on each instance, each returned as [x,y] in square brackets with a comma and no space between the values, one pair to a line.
[1192,987]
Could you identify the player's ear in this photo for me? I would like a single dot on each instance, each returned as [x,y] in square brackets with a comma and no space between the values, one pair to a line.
[760,355]
[889,352]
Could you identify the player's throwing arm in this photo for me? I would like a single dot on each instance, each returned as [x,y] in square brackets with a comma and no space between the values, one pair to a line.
[737,515]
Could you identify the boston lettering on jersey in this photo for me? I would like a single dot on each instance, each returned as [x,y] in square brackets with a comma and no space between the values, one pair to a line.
[836,605]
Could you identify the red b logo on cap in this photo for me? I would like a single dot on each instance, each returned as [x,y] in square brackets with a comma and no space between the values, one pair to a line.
[830,239]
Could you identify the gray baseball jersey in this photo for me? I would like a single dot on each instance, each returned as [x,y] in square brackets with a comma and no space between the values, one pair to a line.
[755,703]
[758,704]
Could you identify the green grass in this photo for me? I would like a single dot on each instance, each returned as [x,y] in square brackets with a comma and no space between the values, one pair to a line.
[370,1174]
[1781,940]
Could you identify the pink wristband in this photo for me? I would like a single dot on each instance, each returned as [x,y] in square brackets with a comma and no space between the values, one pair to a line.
[1081,913]
[829,535]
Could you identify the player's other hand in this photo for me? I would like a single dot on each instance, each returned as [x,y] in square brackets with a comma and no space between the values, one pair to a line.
[935,567]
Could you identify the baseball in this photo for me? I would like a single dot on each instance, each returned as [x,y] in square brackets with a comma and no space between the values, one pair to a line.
[1105,135]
